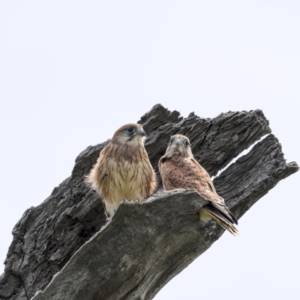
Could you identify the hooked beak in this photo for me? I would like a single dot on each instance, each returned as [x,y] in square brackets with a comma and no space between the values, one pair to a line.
[141,133]
[176,145]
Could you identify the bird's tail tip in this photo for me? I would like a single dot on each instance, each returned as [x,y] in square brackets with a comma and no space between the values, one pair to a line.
[206,215]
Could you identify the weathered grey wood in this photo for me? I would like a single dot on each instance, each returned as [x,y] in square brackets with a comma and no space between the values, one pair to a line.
[135,240]
[47,236]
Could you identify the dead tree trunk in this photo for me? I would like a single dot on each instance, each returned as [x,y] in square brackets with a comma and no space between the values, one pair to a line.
[144,246]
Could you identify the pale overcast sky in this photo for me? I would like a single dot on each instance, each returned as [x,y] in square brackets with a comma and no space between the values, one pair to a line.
[72,72]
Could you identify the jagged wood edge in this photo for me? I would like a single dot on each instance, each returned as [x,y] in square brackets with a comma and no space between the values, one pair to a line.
[48,235]
[147,245]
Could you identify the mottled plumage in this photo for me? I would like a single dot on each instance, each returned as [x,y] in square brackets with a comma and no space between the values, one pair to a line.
[179,169]
[123,169]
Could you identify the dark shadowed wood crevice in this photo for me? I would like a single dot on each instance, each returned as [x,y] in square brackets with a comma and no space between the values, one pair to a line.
[144,246]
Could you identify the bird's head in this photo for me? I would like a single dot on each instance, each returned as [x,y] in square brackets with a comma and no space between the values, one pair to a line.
[179,145]
[131,133]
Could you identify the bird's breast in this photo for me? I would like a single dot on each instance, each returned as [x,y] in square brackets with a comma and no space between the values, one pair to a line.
[127,179]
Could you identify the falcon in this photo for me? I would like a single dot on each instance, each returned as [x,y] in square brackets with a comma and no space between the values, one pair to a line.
[179,169]
[123,169]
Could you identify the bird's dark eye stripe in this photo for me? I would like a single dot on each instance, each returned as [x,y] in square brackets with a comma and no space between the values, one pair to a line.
[186,142]
[171,141]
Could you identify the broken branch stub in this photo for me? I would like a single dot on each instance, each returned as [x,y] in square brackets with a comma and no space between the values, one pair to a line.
[121,261]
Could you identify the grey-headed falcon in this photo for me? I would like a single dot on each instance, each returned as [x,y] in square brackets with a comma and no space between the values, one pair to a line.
[179,169]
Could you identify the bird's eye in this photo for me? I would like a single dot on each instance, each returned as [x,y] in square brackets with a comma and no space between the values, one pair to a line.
[171,141]
[186,143]
[130,129]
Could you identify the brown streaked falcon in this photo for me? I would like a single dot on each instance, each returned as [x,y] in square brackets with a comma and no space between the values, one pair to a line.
[123,169]
[179,169]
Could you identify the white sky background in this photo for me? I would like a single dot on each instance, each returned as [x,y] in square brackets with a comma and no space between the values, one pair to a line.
[72,72]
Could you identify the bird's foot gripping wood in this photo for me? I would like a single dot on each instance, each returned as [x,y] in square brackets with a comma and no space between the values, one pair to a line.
[133,201]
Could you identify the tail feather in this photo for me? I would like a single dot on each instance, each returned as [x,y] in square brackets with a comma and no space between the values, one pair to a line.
[222,210]
[207,214]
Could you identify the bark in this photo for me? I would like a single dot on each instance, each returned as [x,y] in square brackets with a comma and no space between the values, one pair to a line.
[144,246]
